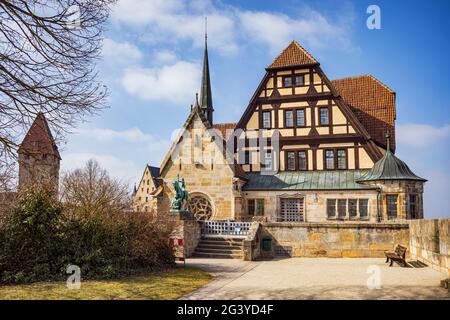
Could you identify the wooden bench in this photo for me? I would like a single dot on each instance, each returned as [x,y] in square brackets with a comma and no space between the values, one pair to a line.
[397,256]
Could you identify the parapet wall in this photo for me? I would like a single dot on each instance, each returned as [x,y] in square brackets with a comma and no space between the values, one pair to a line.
[356,240]
[430,243]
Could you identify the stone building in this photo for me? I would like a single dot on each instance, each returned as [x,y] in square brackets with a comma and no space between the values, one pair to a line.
[39,158]
[147,193]
[306,149]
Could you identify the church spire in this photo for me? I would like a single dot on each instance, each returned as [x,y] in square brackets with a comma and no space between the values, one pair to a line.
[206,95]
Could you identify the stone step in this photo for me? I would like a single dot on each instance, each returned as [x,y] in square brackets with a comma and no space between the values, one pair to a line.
[222,239]
[221,250]
[222,243]
[225,246]
[217,255]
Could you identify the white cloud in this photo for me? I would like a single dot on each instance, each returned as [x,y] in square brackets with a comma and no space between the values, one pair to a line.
[130,135]
[176,83]
[124,169]
[173,20]
[165,56]
[120,52]
[277,30]
[421,135]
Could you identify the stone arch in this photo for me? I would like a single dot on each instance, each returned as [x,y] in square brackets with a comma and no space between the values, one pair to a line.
[200,205]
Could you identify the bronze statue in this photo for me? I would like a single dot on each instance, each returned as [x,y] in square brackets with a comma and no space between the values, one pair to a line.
[181,195]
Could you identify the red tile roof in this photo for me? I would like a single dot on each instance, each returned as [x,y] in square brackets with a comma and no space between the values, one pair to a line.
[39,139]
[225,129]
[293,55]
[372,102]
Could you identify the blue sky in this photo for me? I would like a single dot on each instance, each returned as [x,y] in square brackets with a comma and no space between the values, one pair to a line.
[152,59]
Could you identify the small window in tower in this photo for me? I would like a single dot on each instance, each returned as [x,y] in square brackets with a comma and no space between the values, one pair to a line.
[363,208]
[342,208]
[260,207]
[352,206]
[391,206]
[267,160]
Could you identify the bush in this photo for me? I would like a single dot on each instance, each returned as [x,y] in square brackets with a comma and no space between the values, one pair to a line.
[41,238]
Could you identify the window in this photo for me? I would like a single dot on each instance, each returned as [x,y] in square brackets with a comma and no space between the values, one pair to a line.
[301,118]
[267,160]
[413,212]
[342,208]
[266,119]
[324,121]
[251,207]
[363,208]
[391,204]
[302,161]
[329,159]
[331,208]
[291,160]
[299,80]
[342,159]
[287,82]
[288,118]
[260,207]
[352,204]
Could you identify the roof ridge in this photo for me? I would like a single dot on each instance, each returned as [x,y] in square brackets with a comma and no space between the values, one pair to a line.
[367,75]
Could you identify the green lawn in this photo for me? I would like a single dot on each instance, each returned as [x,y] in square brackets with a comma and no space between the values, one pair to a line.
[170,284]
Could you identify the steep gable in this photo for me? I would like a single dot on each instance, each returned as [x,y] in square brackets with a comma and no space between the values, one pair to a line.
[293,55]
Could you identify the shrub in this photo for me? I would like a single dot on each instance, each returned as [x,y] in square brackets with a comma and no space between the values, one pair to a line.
[41,236]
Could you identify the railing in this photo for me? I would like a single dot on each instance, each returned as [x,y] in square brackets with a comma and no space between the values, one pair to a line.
[225,228]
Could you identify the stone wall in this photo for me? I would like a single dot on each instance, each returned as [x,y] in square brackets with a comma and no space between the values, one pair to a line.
[187,229]
[338,240]
[430,243]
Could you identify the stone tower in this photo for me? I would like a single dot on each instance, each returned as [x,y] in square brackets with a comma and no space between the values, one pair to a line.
[39,158]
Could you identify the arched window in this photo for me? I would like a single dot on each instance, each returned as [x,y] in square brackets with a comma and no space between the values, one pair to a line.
[200,205]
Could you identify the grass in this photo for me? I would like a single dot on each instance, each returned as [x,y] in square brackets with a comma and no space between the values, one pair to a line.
[167,285]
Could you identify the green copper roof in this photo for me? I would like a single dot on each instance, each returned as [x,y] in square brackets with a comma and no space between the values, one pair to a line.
[307,180]
[390,168]
[206,95]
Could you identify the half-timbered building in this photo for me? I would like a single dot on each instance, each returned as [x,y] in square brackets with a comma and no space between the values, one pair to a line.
[306,149]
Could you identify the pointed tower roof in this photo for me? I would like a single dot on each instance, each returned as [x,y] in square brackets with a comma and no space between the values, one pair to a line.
[39,139]
[390,168]
[293,55]
[206,102]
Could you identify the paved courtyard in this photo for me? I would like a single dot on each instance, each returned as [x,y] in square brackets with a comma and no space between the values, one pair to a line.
[315,278]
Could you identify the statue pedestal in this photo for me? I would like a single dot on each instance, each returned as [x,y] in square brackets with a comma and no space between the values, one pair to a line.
[181,214]
[186,228]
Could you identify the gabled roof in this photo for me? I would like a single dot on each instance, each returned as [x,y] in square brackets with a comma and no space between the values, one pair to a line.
[154,172]
[293,55]
[196,111]
[39,139]
[372,102]
[226,129]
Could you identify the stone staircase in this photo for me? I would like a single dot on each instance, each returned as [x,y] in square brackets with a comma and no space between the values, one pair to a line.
[220,247]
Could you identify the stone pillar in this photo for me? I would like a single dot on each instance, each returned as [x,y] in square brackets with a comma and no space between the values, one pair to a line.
[186,228]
